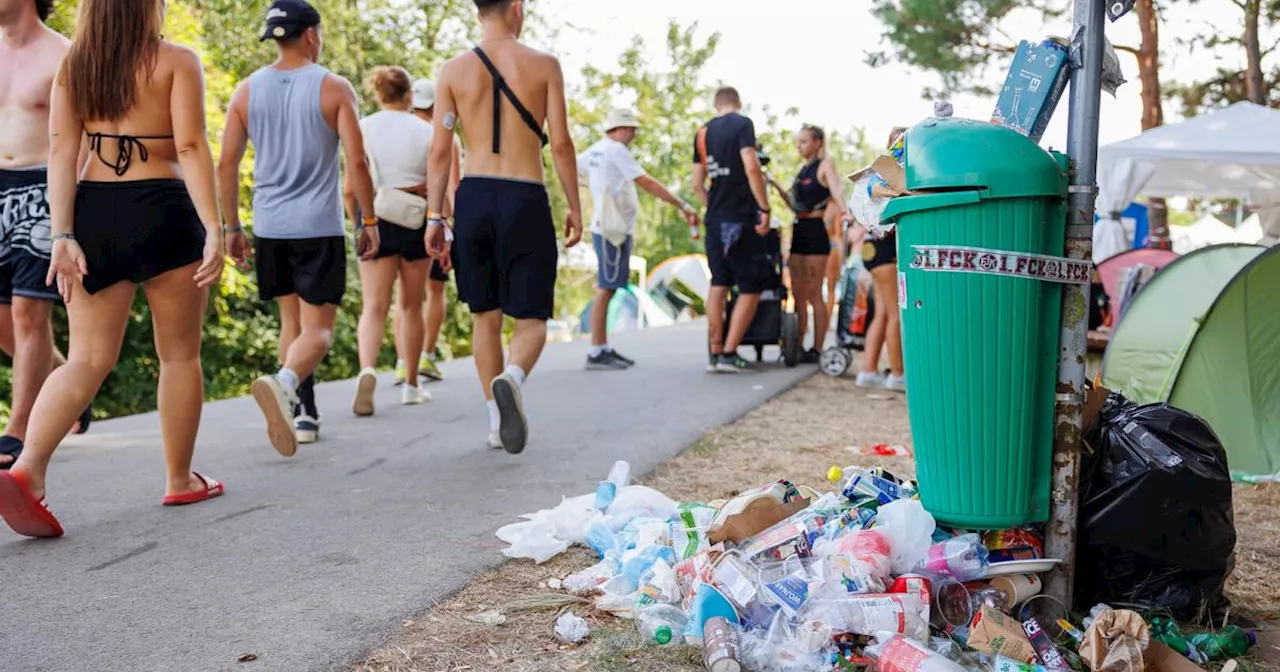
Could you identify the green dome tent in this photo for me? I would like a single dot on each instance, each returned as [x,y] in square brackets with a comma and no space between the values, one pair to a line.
[1204,335]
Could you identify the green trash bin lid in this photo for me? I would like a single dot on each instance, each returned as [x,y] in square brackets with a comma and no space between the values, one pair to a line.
[967,154]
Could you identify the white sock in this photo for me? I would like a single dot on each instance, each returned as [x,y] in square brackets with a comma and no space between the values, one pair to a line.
[288,378]
[596,350]
[431,356]
[515,372]
[369,370]
[399,363]
[495,419]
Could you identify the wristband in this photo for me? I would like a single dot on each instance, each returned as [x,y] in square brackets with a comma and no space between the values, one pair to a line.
[366,222]
[764,211]
[233,229]
[64,236]
[436,221]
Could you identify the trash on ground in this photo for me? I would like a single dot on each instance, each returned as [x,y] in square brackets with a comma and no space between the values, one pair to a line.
[571,628]
[492,618]
[785,578]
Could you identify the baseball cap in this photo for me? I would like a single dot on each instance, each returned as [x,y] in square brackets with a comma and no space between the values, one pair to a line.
[621,118]
[288,18]
[424,94]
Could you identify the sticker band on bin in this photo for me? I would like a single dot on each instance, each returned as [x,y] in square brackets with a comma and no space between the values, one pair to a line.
[999,262]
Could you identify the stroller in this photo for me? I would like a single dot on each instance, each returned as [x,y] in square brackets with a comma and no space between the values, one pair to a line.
[857,306]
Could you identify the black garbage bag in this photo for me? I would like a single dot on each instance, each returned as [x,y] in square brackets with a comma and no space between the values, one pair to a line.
[1157,531]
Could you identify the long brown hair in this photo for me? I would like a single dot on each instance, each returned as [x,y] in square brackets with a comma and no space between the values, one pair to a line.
[115,41]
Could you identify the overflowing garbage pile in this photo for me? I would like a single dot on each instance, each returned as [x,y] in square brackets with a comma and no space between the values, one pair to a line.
[783,578]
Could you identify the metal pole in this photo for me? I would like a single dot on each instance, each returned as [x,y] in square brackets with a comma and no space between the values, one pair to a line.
[1082,144]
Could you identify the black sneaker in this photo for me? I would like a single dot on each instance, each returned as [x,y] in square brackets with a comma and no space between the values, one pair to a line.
[625,360]
[712,358]
[732,364]
[810,356]
[605,361]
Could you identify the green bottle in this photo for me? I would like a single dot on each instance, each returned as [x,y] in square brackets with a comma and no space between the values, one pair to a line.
[1230,642]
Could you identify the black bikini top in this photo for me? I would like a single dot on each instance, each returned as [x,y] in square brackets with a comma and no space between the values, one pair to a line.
[125,155]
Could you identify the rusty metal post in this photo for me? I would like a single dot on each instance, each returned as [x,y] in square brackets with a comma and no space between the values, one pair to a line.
[1082,145]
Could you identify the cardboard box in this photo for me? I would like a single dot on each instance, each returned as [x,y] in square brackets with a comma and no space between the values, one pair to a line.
[757,517]
[1033,88]
[995,633]
[1160,658]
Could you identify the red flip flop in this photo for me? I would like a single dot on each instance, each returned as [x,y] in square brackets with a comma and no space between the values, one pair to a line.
[212,489]
[27,515]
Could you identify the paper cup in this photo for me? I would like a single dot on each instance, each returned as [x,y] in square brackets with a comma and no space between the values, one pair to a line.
[1018,587]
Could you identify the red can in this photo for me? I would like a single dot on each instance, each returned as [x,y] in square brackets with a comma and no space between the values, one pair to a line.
[916,584]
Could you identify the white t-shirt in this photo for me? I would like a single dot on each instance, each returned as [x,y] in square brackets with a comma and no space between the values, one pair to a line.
[611,172]
[399,143]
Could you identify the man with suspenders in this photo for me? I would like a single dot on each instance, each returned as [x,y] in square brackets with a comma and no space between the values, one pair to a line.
[503,243]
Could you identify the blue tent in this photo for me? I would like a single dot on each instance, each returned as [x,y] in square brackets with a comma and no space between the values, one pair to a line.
[1138,213]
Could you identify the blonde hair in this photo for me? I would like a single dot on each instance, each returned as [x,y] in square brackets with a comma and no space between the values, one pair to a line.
[390,84]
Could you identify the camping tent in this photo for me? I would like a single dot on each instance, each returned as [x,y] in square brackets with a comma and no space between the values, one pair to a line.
[1202,335]
[1250,232]
[631,308]
[1113,270]
[1230,153]
[691,270]
[1207,230]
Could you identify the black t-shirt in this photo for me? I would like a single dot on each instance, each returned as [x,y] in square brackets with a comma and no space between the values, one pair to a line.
[730,197]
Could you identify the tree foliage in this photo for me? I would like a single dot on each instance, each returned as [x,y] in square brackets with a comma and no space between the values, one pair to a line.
[241,331]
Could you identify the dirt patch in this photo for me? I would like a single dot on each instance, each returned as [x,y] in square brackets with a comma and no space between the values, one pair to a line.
[798,436]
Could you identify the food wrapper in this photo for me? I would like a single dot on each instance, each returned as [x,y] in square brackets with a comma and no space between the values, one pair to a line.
[689,529]
[1015,544]
[694,571]
[779,542]
[997,634]
[1115,641]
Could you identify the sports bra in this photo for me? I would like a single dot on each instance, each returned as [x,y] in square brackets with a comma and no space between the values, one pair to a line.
[500,88]
[125,155]
[807,192]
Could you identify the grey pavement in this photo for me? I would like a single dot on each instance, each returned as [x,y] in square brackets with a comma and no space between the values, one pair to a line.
[310,562]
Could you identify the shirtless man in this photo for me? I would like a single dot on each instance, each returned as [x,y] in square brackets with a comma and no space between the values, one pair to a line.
[504,246]
[29,56]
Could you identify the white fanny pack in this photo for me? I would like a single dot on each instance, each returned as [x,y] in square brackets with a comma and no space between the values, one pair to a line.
[395,205]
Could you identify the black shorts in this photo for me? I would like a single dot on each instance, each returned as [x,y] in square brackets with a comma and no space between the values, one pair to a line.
[745,264]
[809,236]
[135,231]
[397,241]
[437,272]
[876,253]
[313,268]
[504,248]
[25,244]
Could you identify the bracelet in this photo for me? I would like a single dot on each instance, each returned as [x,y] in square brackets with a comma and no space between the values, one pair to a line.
[366,222]
[64,236]
[764,211]
[436,220]
[233,229]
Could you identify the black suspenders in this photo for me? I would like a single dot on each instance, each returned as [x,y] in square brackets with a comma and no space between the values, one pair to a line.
[500,87]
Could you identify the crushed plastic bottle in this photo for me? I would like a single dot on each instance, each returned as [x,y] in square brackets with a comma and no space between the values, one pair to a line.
[895,653]
[607,490]
[662,624]
[962,558]
[898,613]
[1230,642]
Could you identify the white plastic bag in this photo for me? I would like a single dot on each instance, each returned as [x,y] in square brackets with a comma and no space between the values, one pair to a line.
[638,501]
[909,529]
[571,628]
[866,208]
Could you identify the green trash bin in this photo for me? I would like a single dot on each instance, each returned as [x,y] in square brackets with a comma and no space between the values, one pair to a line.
[979,267]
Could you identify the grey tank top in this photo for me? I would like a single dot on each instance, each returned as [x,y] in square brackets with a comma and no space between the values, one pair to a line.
[296,191]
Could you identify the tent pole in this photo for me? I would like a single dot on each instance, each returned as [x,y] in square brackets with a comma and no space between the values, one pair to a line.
[1082,145]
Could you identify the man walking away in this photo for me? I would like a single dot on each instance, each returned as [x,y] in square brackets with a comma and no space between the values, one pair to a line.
[502,93]
[737,221]
[296,113]
[30,54]
[612,174]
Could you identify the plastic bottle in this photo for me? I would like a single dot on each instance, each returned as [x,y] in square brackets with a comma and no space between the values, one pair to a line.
[896,613]
[1230,642]
[895,653]
[662,624]
[962,558]
[607,489]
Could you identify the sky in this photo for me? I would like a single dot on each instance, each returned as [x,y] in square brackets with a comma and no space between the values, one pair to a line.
[816,60]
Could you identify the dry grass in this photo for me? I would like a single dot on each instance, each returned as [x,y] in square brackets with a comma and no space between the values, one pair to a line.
[797,436]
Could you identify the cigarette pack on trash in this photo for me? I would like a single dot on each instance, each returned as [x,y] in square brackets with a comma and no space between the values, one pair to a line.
[996,634]
[1033,88]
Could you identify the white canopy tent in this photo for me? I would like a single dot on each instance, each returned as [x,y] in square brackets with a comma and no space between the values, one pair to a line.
[1208,230]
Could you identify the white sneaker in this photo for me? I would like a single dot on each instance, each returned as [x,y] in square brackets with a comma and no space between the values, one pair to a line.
[412,396]
[307,428]
[513,428]
[495,440]
[871,379]
[277,406]
[896,383]
[366,384]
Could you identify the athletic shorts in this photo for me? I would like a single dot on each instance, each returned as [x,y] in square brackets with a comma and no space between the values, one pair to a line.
[615,262]
[313,268]
[876,253]
[25,245]
[809,236]
[397,241]
[504,247]
[737,256]
[135,231]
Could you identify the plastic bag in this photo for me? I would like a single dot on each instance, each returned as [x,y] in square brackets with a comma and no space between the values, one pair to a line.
[866,208]
[1156,524]
[909,530]
[637,501]
[571,628]
[549,532]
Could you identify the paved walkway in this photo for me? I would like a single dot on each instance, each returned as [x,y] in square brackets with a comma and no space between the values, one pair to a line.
[309,562]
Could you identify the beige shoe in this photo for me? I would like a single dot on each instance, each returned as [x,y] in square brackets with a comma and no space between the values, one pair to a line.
[366,385]
[277,405]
